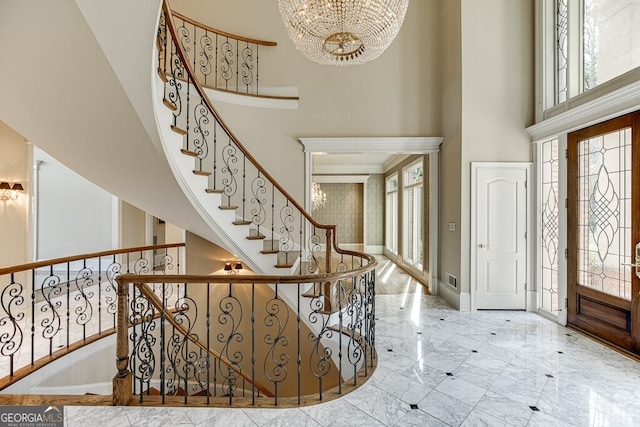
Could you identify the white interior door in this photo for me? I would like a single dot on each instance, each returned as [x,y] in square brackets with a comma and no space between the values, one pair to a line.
[499,238]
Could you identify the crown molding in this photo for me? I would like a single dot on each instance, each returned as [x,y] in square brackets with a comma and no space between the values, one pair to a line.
[385,145]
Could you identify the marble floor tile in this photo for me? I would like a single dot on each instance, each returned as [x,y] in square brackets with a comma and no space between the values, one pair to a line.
[484,368]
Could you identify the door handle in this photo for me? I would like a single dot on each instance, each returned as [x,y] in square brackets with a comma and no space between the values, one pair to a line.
[482,246]
[636,265]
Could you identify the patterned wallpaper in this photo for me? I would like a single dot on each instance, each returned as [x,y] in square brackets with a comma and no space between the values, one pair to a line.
[375,210]
[343,208]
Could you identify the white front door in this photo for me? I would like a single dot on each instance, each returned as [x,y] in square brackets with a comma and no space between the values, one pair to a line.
[499,237]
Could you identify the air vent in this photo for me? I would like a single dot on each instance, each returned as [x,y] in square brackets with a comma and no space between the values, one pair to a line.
[452,280]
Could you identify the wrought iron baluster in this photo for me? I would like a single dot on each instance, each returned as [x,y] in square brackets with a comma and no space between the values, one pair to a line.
[229,305]
[11,335]
[320,358]
[276,360]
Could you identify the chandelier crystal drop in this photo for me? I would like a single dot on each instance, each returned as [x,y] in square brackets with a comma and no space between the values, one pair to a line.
[342,32]
[318,197]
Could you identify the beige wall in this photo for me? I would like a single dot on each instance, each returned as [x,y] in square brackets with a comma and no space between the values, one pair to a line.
[14,167]
[451,148]
[132,226]
[497,96]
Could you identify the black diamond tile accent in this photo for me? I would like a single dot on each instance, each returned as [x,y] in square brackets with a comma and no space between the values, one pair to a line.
[474,351]
[534,408]
[560,352]
[401,308]
[568,335]
[441,319]
[389,349]
[449,374]
[548,375]
[419,333]
[413,406]
[493,333]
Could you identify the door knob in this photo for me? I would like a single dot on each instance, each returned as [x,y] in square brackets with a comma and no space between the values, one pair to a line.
[482,245]
[636,265]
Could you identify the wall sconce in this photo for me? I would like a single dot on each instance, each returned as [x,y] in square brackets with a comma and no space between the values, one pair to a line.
[10,191]
[233,270]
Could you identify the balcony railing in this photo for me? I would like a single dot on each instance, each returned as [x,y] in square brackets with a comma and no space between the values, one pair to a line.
[220,60]
[50,308]
[267,355]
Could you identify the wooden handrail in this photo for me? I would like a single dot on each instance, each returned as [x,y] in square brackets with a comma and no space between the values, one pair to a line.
[222,33]
[44,263]
[198,87]
[153,298]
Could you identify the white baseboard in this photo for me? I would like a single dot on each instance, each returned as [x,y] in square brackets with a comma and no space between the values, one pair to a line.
[532,301]
[465,301]
[449,294]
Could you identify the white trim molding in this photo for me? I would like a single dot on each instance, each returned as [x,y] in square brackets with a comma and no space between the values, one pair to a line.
[391,145]
[607,106]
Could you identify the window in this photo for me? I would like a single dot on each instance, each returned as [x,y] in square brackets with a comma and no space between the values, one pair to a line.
[391,213]
[549,227]
[413,205]
[595,41]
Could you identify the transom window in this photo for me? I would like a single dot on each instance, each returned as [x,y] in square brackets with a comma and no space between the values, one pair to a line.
[595,41]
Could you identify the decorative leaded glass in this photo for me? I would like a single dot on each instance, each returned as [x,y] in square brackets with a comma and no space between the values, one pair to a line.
[550,225]
[561,51]
[604,213]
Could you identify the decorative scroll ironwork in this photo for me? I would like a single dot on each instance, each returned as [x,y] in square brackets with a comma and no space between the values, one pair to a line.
[83,282]
[276,360]
[185,364]
[258,189]
[229,320]
[315,249]
[226,62]
[113,270]
[320,359]
[142,316]
[51,289]
[200,144]
[11,334]
[205,55]
[247,66]
[229,158]
[286,230]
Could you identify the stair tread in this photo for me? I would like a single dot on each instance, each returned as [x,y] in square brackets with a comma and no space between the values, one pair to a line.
[227,208]
[202,173]
[269,251]
[256,237]
[162,75]
[169,104]
[242,222]
[284,265]
[189,153]
[214,191]
[178,130]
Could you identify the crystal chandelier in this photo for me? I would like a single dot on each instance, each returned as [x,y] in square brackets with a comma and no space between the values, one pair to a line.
[318,197]
[342,32]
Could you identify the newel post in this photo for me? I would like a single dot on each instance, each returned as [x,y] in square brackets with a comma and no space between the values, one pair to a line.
[122,382]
